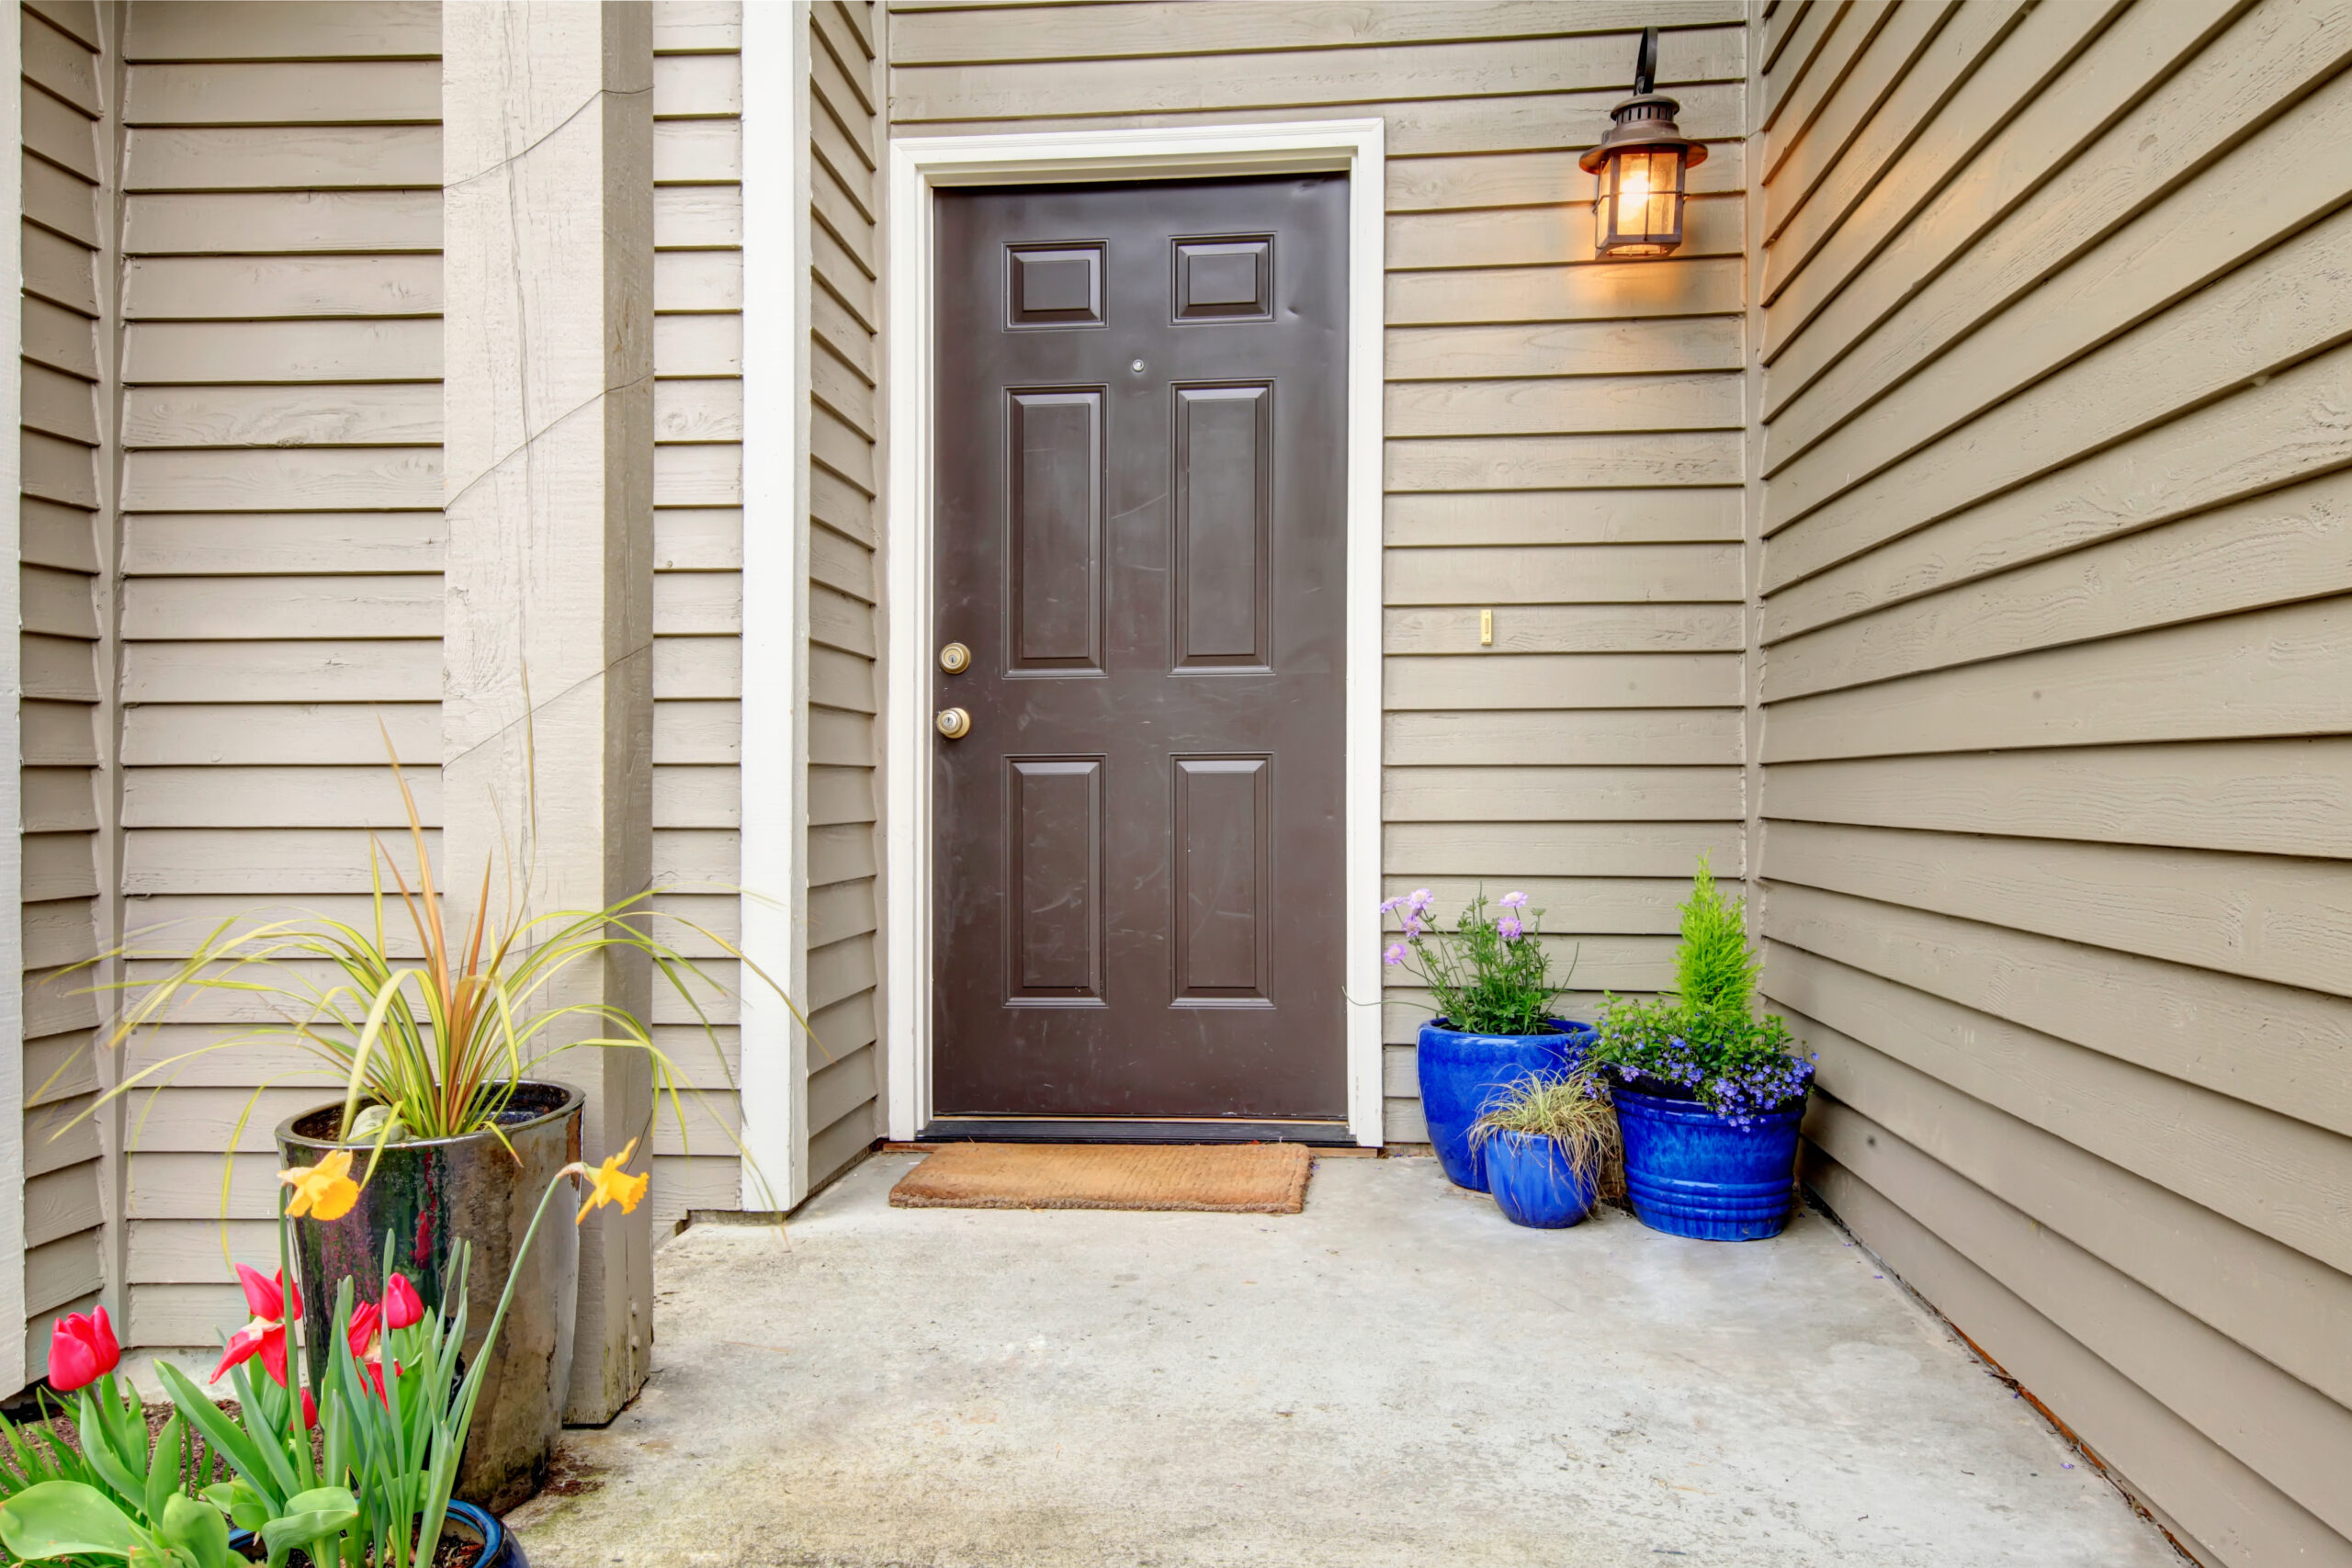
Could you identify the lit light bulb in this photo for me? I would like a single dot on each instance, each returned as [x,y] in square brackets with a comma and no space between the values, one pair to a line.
[1633,196]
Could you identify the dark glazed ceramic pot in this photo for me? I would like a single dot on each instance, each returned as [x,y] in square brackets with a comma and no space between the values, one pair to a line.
[429,1193]
[500,1546]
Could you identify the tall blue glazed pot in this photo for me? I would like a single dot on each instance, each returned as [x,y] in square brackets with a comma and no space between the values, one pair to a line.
[1690,1172]
[1461,1072]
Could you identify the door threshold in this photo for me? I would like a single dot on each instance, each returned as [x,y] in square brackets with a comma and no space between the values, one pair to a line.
[1117,1130]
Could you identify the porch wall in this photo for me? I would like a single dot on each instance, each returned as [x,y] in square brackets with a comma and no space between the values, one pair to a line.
[2054,705]
[699,552]
[281,540]
[1563,439]
[70,112]
[698,103]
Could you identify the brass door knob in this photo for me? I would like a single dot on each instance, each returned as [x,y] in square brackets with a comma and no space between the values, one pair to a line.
[955,723]
[954,658]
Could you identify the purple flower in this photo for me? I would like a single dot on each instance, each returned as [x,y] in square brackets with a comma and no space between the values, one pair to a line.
[1509,927]
[1394,953]
[1388,904]
[1421,901]
[1514,900]
[1413,926]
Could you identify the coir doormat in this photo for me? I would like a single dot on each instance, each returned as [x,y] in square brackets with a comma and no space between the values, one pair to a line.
[1218,1178]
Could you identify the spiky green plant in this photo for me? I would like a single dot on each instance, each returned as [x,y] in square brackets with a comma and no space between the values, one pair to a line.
[1704,1041]
[1714,971]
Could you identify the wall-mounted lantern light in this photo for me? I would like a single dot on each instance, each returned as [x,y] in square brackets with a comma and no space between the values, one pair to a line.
[1640,163]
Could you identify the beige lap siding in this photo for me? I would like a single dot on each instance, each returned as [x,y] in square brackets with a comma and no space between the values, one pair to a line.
[2056,706]
[845,134]
[70,98]
[698,523]
[699,557]
[281,536]
[1563,434]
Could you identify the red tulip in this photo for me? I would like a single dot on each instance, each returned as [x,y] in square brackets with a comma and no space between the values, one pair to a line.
[310,1410]
[365,1332]
[265,1335]
[81,1350]
[404,1308]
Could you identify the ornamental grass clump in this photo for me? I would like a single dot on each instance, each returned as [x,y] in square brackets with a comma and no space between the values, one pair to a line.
[1572,1109]
[1490,974]
[432,1047]
[1703,1042]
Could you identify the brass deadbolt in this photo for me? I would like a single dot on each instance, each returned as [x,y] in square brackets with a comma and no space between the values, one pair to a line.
[955,723]
[954,658]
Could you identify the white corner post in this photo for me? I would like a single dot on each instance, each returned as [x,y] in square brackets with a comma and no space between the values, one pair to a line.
[12,842]
[918,166]
[548,463]
[774,1075]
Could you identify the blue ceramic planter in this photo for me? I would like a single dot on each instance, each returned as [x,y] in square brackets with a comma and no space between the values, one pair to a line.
[1531,1182]
[1461,1072]
[1690,1172]
[500,1546]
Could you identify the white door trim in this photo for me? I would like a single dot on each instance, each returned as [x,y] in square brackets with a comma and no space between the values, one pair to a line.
[919,167]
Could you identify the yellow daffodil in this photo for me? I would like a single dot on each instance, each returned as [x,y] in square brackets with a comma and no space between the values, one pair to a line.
[610,1184]
[325,1190]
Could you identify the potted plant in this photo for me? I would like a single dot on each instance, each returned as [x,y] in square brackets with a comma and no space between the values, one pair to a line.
[437,1058]
[1550,1144]
[1491,981]
[1708,1095]
[357,1469]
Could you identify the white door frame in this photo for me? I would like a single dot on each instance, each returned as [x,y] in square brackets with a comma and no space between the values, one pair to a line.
[918,167]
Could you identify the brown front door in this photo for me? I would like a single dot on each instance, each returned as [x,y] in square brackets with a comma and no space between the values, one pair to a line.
[1140,536]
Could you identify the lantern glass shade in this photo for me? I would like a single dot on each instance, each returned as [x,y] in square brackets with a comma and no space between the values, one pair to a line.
[1640,207]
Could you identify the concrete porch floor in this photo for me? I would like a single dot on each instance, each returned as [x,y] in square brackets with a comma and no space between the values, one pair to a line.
[1396,1376]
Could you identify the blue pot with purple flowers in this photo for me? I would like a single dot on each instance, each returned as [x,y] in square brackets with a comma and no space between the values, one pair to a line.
[1490,980]
[1464,1073]
[1692,1171]
[1710,1097]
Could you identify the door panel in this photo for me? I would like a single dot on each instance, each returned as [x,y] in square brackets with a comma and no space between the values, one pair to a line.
[1140,527]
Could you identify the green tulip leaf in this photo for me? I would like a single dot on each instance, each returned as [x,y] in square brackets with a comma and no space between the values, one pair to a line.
[197,1530]
[163,1468]
[310,1516]
[67,1519]
[246,1508]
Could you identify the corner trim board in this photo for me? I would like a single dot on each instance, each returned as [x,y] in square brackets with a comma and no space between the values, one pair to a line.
[775,755]
[12,842]
[918,166]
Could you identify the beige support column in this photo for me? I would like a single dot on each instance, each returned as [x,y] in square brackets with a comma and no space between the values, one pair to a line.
[547,453]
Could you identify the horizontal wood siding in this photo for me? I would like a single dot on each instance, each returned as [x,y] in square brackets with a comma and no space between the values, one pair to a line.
[843,852]
[2056,706]
[699,555]
[1565,441]
[71,101]
[282,535]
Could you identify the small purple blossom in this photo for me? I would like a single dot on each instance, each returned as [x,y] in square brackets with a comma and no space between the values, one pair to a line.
[1413,926]
[1514,900]
[1421,902]
[1508,928]
[1394,953]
